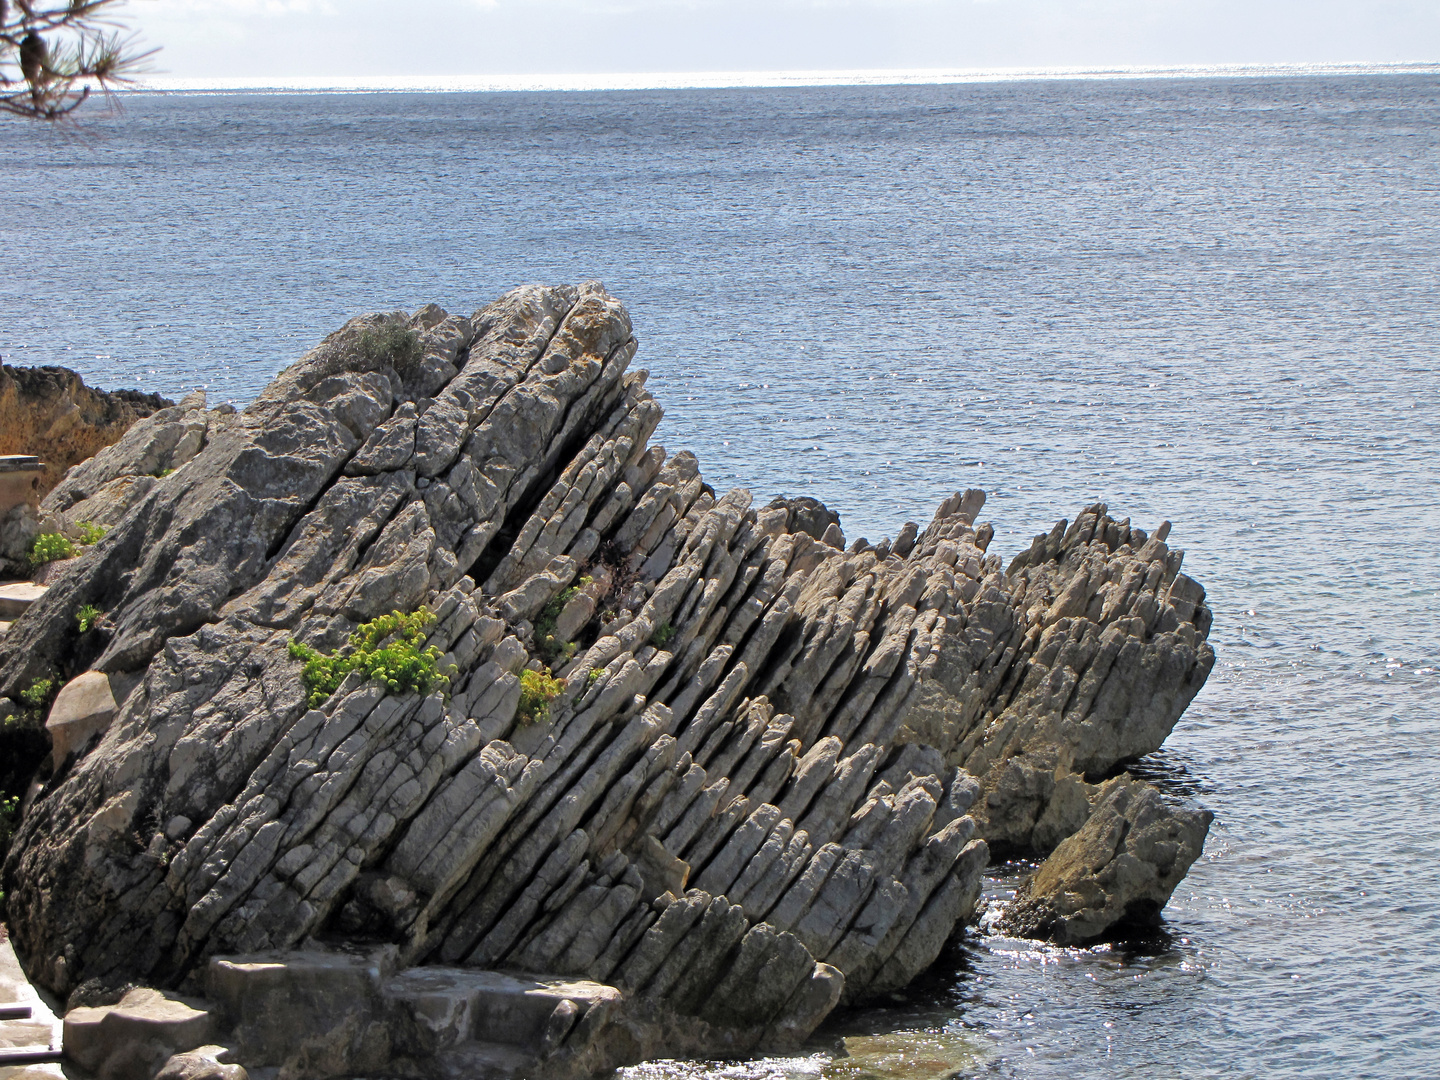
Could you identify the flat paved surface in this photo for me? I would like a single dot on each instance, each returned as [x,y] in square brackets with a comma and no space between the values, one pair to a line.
[40,1031]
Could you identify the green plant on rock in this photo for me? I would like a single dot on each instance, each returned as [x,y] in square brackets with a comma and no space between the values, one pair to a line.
[546,645]
[537,690]
[663,634]
[37,694]
[389,650]
[47,547]
[87,617]
[9,822]
[36,698]
[9,818]
[593,674]
[394,343]
[90,533]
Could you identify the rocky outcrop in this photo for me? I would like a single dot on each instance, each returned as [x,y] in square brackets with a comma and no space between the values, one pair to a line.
[746,801]
[1084,658]
[51,413]
[1118,870]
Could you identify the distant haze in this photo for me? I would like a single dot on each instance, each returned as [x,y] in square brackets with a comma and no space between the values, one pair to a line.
[358,39]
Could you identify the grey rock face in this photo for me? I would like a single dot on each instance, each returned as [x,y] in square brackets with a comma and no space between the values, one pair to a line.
[1082,656]
[738,810]
[1118,870]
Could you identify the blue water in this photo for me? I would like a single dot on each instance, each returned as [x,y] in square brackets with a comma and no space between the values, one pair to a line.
[1213,301]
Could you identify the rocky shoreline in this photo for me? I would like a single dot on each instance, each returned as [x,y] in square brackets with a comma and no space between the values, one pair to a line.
[699,774]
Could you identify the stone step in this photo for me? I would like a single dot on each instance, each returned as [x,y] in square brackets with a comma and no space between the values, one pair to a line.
[28,1044]
[17,596]
[440,1007]
[476,1060]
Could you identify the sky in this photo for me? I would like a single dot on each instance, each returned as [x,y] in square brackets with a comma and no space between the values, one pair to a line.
[279,39]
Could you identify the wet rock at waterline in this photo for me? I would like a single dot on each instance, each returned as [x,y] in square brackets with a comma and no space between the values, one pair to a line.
[1118,870]
[749,795]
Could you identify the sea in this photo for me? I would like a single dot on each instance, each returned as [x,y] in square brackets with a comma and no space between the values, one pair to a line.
[1211,298]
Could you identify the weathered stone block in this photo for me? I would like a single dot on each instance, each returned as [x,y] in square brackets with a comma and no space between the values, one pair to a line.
[84,707]
[130,1040]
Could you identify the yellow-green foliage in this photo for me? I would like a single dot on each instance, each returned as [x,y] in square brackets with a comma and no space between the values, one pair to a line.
[37,694]
[546,645]
[9,817]
[9,820]
[537,690]
[47,547]
[36,699]
[387,649]
[87,617]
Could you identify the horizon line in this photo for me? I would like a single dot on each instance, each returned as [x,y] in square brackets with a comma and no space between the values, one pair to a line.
[718,80]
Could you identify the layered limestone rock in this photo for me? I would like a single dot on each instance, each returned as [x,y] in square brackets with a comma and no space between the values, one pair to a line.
[1086,659]
[750,799]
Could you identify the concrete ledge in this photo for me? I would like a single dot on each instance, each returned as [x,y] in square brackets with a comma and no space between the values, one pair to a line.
[17,596]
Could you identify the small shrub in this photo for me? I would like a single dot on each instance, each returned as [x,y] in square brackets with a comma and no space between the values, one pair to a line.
[90,533]
[163,473]
[87,617]
[393,343]
[47,547]
[387,649]
[37,694]
[537,690]
[9,822]
[663,634]
[593,674]
[549,649]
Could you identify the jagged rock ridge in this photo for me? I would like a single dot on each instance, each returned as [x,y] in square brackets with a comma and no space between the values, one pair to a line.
[747,803]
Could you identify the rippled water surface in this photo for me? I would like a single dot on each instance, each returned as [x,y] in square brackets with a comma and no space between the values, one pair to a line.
[1213,301]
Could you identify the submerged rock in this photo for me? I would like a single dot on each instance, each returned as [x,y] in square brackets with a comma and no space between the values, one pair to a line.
[907,1055]
[744,802]
[1117,871]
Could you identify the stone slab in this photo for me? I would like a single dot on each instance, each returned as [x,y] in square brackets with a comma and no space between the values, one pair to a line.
[17,596]
[41,1031]
[453,1005]
[85,706]
[131,1039]
[484,1061]
[277,1001]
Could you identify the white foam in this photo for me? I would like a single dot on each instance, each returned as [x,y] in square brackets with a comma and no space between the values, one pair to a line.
[701,80]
